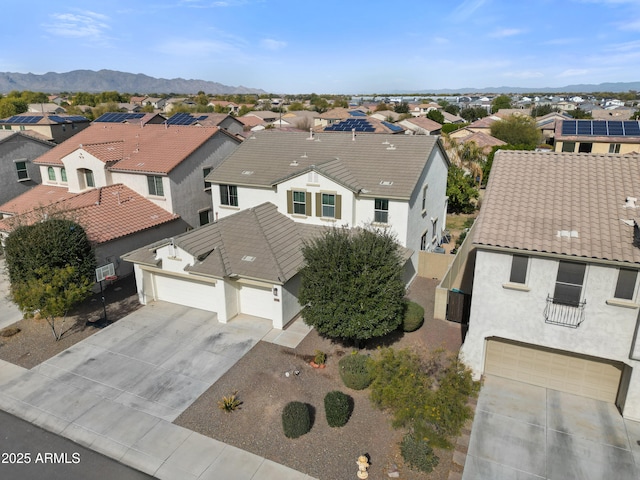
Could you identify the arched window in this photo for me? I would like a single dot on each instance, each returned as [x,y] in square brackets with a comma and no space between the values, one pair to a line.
[63,174]
[52,174]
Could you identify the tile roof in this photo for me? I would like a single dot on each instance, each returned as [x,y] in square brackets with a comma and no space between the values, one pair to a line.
[150,148]
[482,140]
[425,123]
[105,213]
[534,201]
[360,164]
[36,197]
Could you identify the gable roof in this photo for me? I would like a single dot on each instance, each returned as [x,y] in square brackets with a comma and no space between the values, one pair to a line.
[36,197]
[424,123]
[360,165]
[482,140]
[535,200]
[105,213]
[134,148]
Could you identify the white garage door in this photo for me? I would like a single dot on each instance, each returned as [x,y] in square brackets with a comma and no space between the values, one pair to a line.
[184,292]
[578,374]
[256,301]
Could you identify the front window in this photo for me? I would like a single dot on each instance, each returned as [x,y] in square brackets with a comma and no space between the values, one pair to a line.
[585,147]
[63,174]
[626,284]
[569,147]
[569,283]
[328,205]
[206,171]
[89,178]
[614,148]
[205,217]
[229,195]
[155,185]
[519,264]
[381,210]
[52,174]
[21,168]
[300,203]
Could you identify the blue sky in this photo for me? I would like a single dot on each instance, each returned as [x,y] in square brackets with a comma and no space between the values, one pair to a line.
[329,46]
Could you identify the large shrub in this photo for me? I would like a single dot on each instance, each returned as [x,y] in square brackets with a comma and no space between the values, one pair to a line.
[413,317]
[354,371]
[296,419]
[418,454]
[337,407]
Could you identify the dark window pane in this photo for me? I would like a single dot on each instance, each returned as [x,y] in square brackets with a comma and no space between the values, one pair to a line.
[519,269]
[567,294]
[569,272]
[626,284]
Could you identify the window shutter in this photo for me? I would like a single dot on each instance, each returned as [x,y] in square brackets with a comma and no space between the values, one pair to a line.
[307,205]
[289,201]
[338,207]
[318,204]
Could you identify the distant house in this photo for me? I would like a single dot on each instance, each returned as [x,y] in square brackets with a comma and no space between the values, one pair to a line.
[597,136]
[17,171]
[421,126]
[165,164]
[397,183]
[55,128]
[555,296]
[45,108]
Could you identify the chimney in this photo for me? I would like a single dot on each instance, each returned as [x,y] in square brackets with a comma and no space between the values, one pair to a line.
[353,134]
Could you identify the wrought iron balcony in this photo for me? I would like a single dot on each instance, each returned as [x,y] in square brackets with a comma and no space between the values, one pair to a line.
[564,313]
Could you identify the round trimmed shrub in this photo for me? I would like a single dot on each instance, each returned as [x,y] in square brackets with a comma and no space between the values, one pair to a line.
[337,408]
[413,317]
[296,419]
[418,454]
[354,371]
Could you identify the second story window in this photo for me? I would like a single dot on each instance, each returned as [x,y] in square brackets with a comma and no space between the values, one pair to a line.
[206,171]
[300,203]
[424,198]
[155,185]
[21,169]
[569,283]
[51,173]
[614,148]
[88,175]
[519,264]
[328,205]
[63,174]
[626,284]
[381,210]
[229,195]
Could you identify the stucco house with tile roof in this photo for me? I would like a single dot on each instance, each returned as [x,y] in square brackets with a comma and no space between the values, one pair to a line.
[17,171]
[555,298]
[597,136]
[421,126]
[115,218]
[396,182]
[53,127]
[165,164]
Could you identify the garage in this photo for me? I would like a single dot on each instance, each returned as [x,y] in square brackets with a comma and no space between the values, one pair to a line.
[560,370]
[184,292]
[256,301]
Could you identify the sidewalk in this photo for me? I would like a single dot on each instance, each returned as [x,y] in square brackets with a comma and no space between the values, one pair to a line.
[86,411]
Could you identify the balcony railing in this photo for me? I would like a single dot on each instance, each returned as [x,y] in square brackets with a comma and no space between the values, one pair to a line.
[563,314]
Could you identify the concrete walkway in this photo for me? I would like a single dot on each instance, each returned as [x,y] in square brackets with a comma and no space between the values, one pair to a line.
[525,432]
[10,312]
[118,391]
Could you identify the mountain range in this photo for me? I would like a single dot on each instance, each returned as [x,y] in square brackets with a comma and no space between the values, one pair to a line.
[111,80]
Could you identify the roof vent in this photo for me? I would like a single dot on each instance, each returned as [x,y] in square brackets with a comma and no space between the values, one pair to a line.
[248,258]
[568,233]
[630,202]
[294,163]
[391,147]
[247,172]
[386,183]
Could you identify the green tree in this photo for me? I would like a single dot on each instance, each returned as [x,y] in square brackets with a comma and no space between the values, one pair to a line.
[352,286]
[517,130]
[244,109]
[436,116]
[401,108]
[501,101]
[636,115]
[578,113]
[51,293]
[452,109]
[104,108]
[381,107]
[471,114]
[10,106]
[542,110]
[320,105]
[295,107]
[461,191]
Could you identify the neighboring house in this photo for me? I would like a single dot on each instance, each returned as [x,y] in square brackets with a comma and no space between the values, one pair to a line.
[155,102]
[246,263]
[221,120]
[451,118]
[424,108]
[397,183]
[115,218]
[613,113]
[138,118]
[230,107]
[17,171]
[482,140]
[56,128]
[386,115]
[421,126]
[555,298]
[597,136]
[45,108]
[165,164]
[483,125]
[547,125]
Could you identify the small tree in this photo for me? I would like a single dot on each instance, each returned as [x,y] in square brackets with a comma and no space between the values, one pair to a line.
[352,287]
[517,130]
[461,191]
[436,116]
[500,102]
[51,293]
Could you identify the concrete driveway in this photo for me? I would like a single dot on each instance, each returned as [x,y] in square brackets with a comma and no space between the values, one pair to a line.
[10,312]
[118,391]
[525,432]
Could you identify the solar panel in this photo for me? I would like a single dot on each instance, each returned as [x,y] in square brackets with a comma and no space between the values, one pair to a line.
[115,117]
[600,128]
[357,113]
[631,129]
[59,119]
[392,127]
[584,127]
[615,128]
[569,127]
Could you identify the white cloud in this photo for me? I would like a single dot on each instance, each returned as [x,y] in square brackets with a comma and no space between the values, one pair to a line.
[85,24]
[506,32]
[572,72]
[271,44]
[466,9]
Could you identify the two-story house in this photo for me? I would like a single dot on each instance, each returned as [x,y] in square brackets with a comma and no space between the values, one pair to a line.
[17,171]
[165,164]
[555,297]
[396,182]
[52,127]
[597,136]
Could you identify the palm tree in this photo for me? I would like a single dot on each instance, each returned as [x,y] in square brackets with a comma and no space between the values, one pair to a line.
[466,155]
